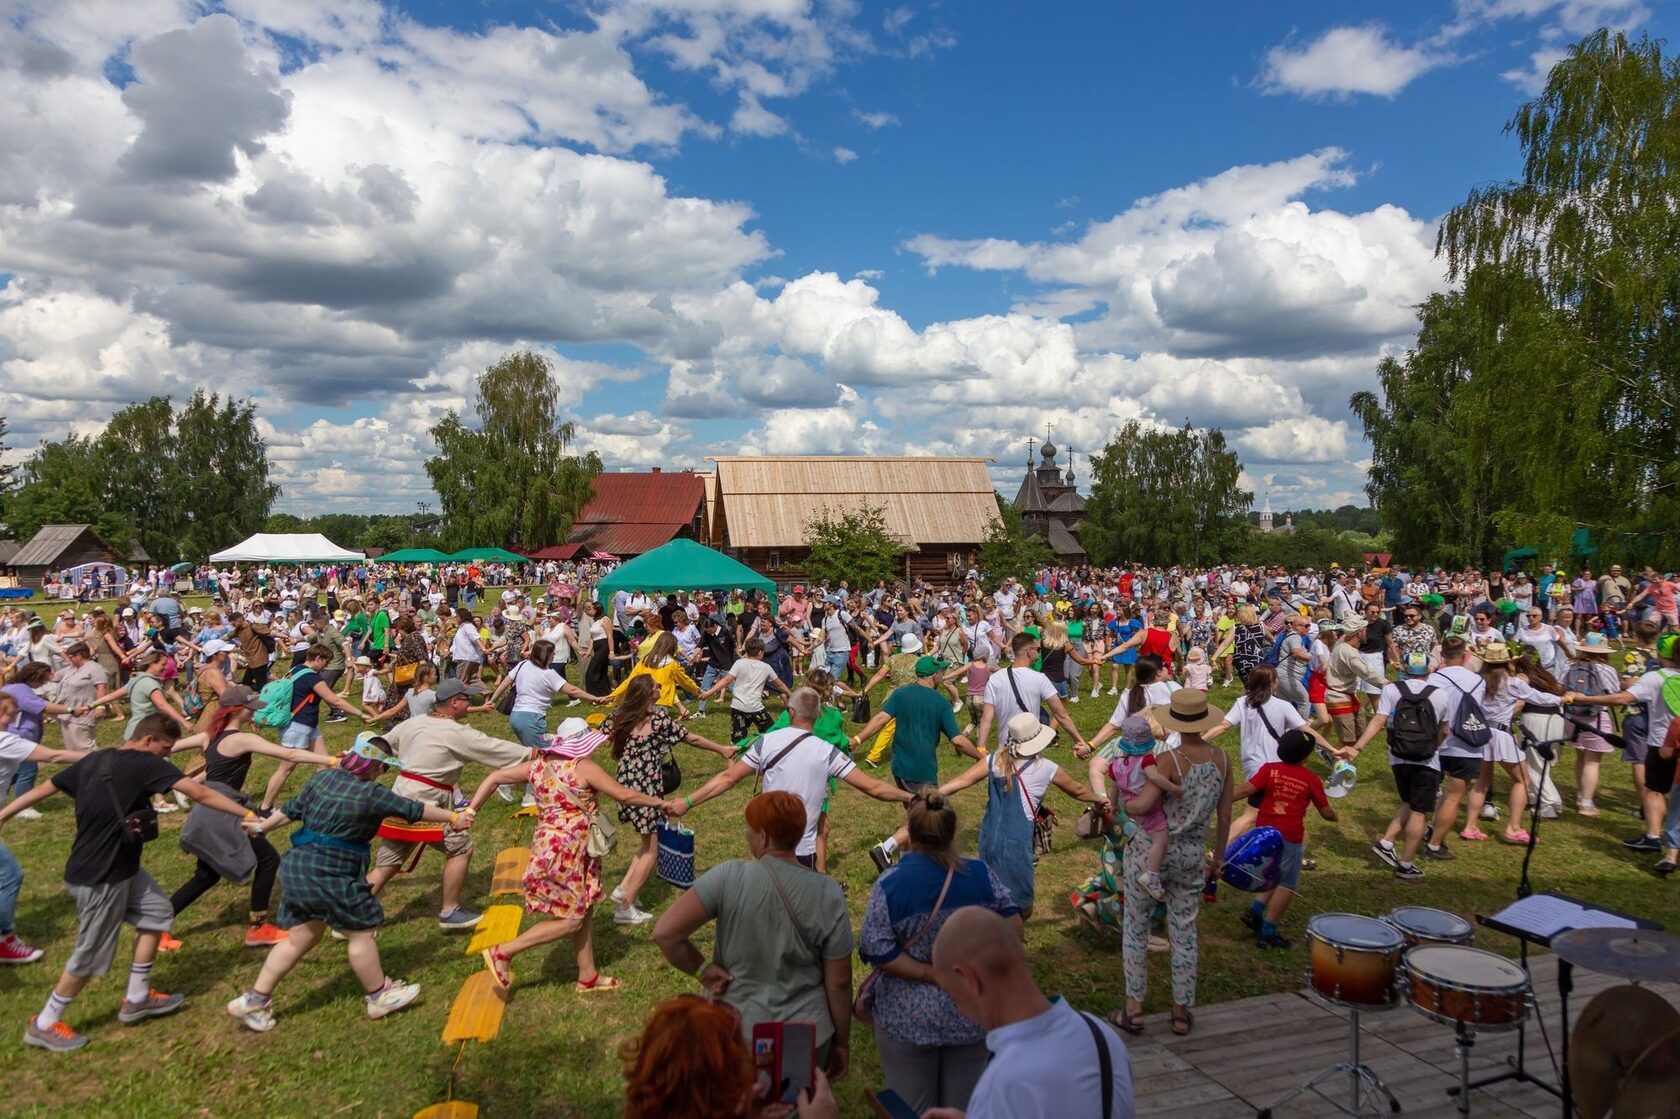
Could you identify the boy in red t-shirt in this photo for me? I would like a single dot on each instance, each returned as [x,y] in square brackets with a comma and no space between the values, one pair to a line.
[1287,787]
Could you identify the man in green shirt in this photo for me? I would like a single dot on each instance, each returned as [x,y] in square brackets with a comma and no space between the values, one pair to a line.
[921,715]
[379,632]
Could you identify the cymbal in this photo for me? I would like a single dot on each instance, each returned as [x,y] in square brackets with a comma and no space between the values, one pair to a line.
[1640,955]
[1647,1090]
[1613,1031]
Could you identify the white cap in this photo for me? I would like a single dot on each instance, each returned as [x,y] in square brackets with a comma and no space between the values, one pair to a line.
[216,645]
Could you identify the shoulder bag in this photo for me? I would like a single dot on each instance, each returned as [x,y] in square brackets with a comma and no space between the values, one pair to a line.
[787,907]
[863,1005]
[1043,820]
[603,832]
[758,779]
[134,828]
[1105,1065]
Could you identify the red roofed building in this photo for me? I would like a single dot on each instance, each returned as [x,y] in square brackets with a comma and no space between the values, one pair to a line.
[635,513]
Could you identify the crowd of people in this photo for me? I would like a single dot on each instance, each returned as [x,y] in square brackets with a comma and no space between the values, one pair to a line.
[1445,667]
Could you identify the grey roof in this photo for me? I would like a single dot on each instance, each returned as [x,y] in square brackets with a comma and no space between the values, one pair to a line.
[1069,502]
[8,549]
[1030,499]
[46,546]
[1063,542]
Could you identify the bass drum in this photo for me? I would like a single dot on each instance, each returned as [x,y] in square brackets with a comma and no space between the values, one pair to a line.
[1466,986]
[1355,960]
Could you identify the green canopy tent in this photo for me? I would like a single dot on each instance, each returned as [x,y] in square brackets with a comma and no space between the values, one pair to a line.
[484,555]
[1579,548]
[414,555]
[683,565]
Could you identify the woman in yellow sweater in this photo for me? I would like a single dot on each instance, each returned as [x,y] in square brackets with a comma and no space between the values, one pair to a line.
[661,663]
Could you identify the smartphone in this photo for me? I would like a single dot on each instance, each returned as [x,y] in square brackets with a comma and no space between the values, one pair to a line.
[889,1104]
[785,1059]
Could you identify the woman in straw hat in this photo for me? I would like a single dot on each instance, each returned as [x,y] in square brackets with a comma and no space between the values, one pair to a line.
[1503,695]
[323,877]
[563,880]
[1591,674]
[1017,777]
[1203,772]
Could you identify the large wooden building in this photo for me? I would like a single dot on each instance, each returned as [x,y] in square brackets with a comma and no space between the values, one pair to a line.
[938,508]
[59,548]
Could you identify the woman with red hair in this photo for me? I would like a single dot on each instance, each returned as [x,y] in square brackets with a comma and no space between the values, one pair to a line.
[692,1062]
[784,936]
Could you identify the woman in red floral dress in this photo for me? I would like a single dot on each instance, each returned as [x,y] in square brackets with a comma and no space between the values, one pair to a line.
[562,882]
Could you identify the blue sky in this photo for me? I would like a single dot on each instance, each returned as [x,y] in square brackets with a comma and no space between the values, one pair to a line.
[761,226]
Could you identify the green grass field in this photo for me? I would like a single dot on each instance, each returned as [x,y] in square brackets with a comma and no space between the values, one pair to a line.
[557,1051]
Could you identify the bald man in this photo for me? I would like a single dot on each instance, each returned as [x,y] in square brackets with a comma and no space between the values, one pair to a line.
[979,960]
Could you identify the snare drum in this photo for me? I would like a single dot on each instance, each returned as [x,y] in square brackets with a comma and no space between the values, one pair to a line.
[1466,986]
[1418,924]
[1355,960]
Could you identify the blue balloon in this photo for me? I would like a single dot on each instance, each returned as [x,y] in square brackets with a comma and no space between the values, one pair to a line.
[1252,860]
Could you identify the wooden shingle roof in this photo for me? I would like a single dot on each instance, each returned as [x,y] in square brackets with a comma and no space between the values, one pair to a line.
[766,501]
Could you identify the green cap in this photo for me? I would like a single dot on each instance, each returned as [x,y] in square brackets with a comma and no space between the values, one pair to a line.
[930,666]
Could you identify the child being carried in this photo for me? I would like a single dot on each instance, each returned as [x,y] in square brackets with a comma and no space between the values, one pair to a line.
[1129,769]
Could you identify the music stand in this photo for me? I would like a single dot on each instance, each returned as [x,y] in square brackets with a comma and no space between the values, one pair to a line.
[1538,918]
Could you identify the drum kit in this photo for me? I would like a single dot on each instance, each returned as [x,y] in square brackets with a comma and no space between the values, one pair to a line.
[1626,1059]
[1413,954]
[1626,1063]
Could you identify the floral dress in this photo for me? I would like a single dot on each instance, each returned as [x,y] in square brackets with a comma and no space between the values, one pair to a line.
[561,880]
[638,769]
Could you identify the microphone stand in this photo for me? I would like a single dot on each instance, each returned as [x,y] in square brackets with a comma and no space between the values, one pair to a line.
[1518,1069]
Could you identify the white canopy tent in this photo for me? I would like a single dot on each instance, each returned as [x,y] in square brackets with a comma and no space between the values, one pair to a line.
[286,547]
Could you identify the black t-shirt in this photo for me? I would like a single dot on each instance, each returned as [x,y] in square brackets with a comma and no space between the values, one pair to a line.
[98,853]
[306,705]
[1376,637]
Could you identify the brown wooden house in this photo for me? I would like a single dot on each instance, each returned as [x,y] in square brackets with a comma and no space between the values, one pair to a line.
[938,508]
[57,547]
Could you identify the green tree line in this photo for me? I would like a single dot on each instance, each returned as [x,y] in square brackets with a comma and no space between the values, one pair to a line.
[1542,394]
[181,482]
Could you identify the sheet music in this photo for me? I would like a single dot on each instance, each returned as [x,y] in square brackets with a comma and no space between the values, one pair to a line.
[1544,915]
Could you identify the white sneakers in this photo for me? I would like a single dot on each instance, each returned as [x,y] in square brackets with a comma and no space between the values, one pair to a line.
[392,997]
[254,1013]
[630,915]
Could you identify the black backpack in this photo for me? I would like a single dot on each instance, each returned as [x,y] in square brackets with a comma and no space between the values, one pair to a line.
[1470,724]
[1414,731]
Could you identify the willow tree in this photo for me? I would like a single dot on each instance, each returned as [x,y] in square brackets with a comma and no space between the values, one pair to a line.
[1593,223]
[511,480]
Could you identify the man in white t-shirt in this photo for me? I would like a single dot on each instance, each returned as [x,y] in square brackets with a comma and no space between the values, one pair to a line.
[1648,690]
[1416,779]
[1048,1059]
[795,760]
[1460,762]
[1019,688]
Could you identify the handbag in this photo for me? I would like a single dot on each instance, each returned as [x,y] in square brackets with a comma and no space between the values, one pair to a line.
[1044,821]
[675,860]
[505,704]
[863,1005]
[1092,824]
[670,773]
[603,832]
[404,674]
[860,709]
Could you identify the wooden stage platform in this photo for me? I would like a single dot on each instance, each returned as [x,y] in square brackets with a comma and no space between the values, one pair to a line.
[1242,1055]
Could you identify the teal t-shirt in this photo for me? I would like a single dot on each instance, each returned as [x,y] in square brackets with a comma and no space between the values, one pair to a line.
[923,714]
